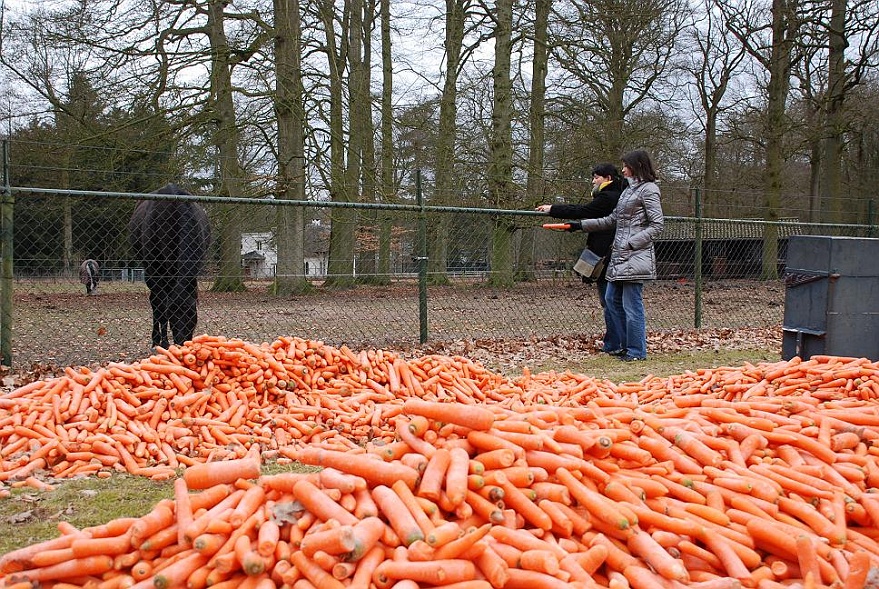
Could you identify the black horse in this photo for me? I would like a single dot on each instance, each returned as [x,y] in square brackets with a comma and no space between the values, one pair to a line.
[171,238]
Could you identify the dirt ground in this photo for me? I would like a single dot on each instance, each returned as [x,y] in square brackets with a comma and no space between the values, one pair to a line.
[56,325]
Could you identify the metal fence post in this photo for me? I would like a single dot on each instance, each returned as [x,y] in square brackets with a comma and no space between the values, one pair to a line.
[697,260]
[871,215]
[7,202]
[422,259]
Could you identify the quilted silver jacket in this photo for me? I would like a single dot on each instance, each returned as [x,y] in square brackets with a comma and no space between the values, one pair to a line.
[639,220]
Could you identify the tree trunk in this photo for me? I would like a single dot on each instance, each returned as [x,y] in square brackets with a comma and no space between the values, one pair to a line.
[500,168]
[67,220]
[445,184]
[289,94]
[225,139]
[536,182]
[710,170]
[368,269]
[386,191]
[834,123]
[783,30]
[340,267]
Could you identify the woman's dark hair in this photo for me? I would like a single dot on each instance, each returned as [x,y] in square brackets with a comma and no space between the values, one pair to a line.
[640,165]
[606,169]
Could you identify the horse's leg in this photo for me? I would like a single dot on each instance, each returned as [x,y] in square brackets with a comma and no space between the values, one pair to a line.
[184,314]
[159,298]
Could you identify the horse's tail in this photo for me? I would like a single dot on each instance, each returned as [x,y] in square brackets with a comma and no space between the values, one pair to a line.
[89,273]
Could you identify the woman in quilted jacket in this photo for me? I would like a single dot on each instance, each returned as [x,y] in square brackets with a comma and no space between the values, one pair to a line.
[638,221]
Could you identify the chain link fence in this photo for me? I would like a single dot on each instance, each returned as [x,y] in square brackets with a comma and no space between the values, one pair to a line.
[500,275]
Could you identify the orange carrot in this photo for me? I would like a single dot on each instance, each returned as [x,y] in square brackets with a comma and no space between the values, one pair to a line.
[366,568]
[374,471]
[252,500]
[159,518]
[432,478]
[523,579]
[543,561]
[859,568]
[314,573]
[436,572]
[79,567]
[443,533]
[320,504]
[643,544]
[411,502]
[178,572]
[346,483]
[599,507]
[398,515]
[476,418]
[268,536]
[456,476]
[457,547]
[206,475]
[182,509]
[208,544]
[83,547]
[492,566]
[337,540]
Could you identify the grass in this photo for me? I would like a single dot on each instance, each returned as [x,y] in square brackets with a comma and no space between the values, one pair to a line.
[29,516]
[660,364]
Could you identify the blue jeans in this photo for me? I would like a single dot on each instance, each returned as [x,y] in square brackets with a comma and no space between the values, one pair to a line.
[626,310]
[612,339]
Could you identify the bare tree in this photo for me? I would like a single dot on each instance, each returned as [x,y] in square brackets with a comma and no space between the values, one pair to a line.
[840,45]
[456,14]
[340,266]
[369,230]
[290,113]
[501,189]
[387,190]
[776,55]
[713,61]
[618,52]
[536,183]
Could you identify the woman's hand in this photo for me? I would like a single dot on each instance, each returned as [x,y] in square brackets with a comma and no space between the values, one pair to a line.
[543,208]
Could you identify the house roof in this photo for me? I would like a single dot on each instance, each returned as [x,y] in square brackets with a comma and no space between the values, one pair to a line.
[723,229]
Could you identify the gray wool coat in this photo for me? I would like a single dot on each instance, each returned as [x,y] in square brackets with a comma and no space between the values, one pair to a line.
[638,219]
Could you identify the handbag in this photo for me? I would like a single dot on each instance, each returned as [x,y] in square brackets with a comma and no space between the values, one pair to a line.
[589,264]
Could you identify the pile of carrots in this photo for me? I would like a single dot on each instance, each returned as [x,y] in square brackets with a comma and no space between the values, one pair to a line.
[438,473]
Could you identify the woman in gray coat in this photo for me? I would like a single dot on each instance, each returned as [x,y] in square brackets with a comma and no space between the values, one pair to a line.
[638,220]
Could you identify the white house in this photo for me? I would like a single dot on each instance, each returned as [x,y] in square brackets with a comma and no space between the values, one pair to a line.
[259,257]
